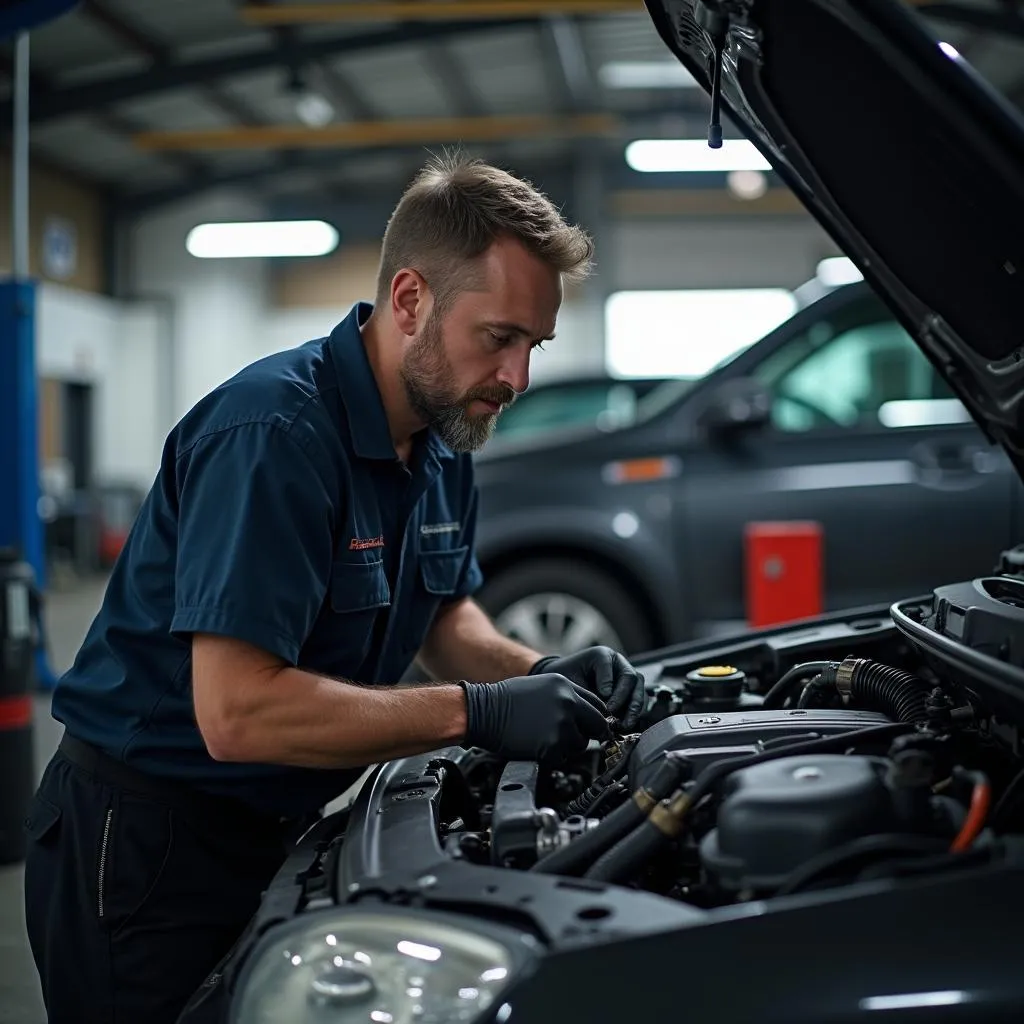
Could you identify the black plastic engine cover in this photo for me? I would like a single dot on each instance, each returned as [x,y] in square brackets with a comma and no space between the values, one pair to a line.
[777,815]
[707,738]
[986,615]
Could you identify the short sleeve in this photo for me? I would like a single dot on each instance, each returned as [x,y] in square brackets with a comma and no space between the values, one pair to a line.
[255,539]
[471,579]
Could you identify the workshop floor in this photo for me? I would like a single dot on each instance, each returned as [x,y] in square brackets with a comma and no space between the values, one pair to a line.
[69,611]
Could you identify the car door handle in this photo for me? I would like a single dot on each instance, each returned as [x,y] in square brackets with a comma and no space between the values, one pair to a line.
[951,463]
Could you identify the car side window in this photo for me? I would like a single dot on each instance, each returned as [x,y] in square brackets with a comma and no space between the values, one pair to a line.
[555,407]
[863,377]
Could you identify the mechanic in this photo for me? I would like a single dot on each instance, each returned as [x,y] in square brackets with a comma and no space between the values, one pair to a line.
[309,533]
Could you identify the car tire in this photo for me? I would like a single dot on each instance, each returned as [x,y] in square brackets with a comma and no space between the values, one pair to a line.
[531,586]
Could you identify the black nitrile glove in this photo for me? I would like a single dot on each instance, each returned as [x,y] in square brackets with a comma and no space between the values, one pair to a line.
[606,673]
[533,718]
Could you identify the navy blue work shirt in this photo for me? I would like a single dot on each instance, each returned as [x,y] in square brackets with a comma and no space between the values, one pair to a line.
[280,516]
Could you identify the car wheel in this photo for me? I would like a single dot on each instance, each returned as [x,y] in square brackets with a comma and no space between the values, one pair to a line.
[562,606]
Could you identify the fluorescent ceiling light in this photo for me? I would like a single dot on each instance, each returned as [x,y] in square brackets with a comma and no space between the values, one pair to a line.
[661,155]
[262,238]
[646,74]
[838,270]
[914,1000]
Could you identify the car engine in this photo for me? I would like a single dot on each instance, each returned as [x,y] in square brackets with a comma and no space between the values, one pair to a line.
[856,771]
[863,746]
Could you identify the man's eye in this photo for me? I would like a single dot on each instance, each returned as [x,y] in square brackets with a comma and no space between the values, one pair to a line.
[539,344]
[501,340]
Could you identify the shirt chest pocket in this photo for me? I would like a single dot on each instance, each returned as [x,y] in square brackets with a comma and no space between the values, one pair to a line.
[440,570]
[359,592]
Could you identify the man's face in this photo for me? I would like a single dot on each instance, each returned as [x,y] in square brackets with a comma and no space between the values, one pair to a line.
[461,370]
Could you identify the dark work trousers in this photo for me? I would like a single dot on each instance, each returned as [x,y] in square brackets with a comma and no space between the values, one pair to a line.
[135,889]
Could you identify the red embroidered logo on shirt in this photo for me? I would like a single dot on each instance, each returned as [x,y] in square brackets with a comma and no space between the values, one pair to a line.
[361,544]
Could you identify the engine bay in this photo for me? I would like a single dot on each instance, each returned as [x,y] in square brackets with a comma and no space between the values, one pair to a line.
[876,745]
[857,772]
[879,746]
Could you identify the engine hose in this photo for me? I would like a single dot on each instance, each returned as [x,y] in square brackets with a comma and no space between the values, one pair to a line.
[582,851]
[878,687]
[776,696]
[582,803]
[818,685]
[614,794]
[668,820]
[625,859]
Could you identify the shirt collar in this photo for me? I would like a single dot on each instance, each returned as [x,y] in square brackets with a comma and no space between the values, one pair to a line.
[367,420]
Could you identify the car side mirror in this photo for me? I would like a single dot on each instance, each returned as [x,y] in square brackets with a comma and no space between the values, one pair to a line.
[737,406]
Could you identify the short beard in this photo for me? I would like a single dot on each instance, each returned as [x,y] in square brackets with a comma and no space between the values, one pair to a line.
[431,390]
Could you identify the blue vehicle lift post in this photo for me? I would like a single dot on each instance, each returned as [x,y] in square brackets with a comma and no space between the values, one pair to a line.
[21,527]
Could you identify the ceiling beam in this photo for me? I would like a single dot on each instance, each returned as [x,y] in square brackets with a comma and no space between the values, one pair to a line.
[128,35]
[161,55]
[41,86]
[146,200]
[86,97]
[340,87]
[141,42]
[446,68]
[330,159]
[332,82]
[416,10]
[378,133]
[564,45]
[363,215]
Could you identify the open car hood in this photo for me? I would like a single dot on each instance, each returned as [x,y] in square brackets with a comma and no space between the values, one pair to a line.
[911,162]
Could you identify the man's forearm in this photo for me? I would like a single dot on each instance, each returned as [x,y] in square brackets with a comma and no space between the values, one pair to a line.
[463,643]
[310,721]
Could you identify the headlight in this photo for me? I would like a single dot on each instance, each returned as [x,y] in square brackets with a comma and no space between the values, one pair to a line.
[376,967]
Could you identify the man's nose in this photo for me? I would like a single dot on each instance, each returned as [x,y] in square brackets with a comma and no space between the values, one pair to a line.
[515,370]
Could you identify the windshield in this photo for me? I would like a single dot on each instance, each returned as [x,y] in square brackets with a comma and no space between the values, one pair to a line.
[667,394]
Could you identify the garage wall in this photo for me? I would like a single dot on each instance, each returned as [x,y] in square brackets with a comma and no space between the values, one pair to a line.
[755,253]
[218,306]
[311,296]
[115,348]
[57,203]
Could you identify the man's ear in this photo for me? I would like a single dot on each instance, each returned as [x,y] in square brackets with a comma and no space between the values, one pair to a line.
[410,301]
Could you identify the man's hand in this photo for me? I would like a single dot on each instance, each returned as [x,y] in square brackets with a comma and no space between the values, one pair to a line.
[533,718]
[606,673]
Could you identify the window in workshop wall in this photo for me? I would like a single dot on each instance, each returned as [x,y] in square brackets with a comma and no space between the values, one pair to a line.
[686,333]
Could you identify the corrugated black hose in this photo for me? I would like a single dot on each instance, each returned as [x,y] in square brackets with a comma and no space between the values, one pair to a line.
[871,686]
[581,852]
[878,687]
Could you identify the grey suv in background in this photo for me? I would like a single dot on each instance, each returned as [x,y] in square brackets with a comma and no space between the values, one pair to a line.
[633,536]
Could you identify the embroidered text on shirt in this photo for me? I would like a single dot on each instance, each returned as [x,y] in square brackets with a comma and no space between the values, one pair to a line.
[432,528]
[361,544]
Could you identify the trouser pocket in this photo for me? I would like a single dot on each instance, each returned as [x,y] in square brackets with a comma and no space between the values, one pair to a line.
[136,837]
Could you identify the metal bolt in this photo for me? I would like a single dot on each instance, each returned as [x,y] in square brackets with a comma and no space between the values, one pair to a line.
[427,881]
[353,887]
